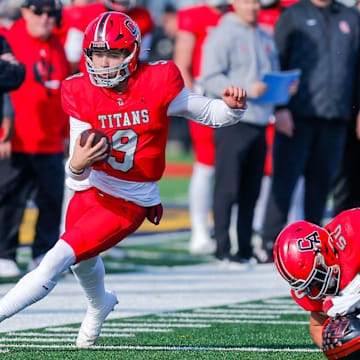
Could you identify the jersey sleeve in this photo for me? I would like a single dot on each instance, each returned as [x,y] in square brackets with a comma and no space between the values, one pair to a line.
[69,99]
[175,82]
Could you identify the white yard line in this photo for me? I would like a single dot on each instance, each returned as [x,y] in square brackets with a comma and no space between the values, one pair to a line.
[158,290]
[157,348]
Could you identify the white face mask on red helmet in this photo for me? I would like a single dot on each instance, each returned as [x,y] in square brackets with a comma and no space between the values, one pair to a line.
[112,31]
[305,258]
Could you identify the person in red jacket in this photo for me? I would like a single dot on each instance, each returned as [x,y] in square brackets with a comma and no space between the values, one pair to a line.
[322,265]
[132,103]
[35,167]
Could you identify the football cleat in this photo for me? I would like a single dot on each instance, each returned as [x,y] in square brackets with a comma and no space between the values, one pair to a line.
[91,326]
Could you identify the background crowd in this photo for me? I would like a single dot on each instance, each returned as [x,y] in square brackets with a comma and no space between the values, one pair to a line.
[314,137]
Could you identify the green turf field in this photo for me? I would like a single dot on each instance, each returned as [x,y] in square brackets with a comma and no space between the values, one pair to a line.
[271,329]
[264,329]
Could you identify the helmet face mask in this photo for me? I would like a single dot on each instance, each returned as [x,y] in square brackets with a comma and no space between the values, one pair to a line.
[112,31]
[305,258]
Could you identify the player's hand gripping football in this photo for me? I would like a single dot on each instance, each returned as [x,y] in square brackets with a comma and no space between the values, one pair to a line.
[86,155]
[234,97]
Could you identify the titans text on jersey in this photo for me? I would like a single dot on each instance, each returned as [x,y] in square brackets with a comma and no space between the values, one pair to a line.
[119,120]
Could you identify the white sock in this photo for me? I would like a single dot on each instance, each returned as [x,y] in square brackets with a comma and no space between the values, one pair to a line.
[90,274]
[38,283]
[201,193]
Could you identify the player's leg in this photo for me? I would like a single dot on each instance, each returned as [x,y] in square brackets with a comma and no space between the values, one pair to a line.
[201,189]
[251,162]
[106,221]
[49,181]
[90,274]
[289,158]
[38,283]
[325,159]
[226,188]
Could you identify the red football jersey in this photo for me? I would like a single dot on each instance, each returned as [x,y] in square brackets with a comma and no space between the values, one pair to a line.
[136,121]
[198,20]
[345,232]
[40,123]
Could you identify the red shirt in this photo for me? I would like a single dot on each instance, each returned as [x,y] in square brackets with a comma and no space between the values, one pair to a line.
[79,17]
[40,123]
[345,232]
[198,20]
[136,121]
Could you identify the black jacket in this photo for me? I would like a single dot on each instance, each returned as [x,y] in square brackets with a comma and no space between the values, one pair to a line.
[325,45]
[11,75]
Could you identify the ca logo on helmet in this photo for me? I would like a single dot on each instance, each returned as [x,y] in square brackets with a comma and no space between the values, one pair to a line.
[308,243]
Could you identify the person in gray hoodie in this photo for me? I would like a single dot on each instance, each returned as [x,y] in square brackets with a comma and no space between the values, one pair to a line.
[239,52]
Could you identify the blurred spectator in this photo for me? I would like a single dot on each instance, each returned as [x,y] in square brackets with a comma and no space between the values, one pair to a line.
[12,74]
[268,15]
[193,26]
[346,193]
[163,39]
[239,52]
[36,161]
[320,37]
[77,17]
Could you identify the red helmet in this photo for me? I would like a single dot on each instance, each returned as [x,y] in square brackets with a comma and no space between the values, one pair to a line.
[112,30]
[305,258]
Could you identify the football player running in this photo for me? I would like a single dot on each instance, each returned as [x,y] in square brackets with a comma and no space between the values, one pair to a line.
[322,265]
[132,103]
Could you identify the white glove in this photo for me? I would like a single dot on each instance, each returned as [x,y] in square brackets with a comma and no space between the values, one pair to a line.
[353,287]
[341,305]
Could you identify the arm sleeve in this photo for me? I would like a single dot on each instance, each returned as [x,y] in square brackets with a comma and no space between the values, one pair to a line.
[283,34]
[76,128]
[8,108]
[11,75]
[206,111]
[73,45]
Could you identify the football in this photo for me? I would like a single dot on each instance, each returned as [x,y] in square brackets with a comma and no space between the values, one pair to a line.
[98,136]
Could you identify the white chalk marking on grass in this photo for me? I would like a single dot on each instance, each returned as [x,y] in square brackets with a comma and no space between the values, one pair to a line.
[197,315]
[249,311]
[38,339]
[162,348]
[226,321]
[39,334]
[151,324]
[63,335]
[104,329]
[262,306]
[279,301]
